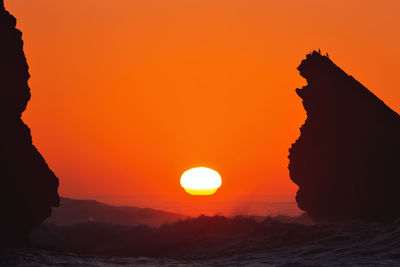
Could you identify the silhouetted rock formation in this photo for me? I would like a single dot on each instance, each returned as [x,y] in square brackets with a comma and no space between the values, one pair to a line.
[28,188]
[346,160]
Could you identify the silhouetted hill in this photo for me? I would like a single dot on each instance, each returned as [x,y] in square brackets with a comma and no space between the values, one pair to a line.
[345,161]
[28,188]
[73,211]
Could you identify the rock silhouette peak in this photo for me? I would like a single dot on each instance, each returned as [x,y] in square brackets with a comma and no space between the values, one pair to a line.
[28,188]
[346,159]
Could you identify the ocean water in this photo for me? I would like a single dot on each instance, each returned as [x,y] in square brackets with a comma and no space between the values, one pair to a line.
[39,257]
[213,241]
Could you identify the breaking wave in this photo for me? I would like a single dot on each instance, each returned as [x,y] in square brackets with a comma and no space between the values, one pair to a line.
[280,241]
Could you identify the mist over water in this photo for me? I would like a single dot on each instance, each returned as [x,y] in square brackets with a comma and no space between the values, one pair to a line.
[209,205]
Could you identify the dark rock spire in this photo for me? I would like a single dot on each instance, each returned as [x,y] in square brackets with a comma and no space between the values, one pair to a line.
[28,188]
[346,160]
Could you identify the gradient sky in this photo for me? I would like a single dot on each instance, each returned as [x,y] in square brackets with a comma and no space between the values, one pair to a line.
[127,95]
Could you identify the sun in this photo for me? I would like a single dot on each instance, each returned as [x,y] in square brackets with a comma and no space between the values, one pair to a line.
[201,181]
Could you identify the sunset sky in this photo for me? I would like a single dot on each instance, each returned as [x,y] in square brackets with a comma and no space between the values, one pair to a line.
[127,95]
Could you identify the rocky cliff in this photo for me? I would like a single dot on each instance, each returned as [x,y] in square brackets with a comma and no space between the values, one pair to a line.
[28,188]
[346,160]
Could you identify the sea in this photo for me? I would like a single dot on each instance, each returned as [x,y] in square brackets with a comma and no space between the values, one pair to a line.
[215,241]
[38,257]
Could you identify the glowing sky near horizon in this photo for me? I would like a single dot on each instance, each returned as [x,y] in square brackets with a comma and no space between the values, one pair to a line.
[127,95]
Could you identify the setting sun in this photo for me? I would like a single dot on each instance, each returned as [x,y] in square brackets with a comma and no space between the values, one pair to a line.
[201,181]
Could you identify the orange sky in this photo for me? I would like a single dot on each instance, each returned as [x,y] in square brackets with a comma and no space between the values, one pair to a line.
[127,95]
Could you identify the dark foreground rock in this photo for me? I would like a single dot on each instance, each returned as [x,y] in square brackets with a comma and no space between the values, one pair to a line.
[346,160]
[28,188]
